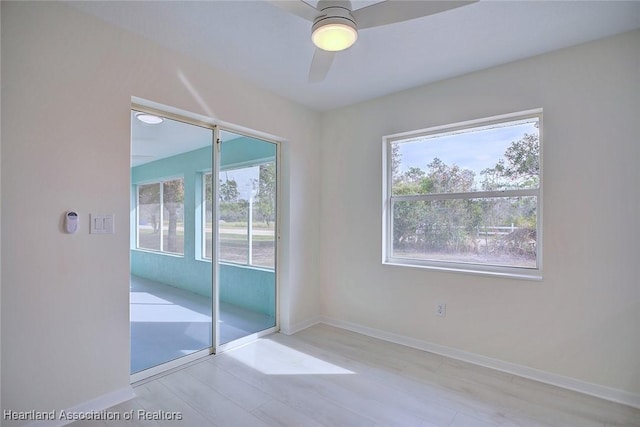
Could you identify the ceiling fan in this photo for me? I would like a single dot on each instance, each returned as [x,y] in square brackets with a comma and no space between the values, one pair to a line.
[335,23]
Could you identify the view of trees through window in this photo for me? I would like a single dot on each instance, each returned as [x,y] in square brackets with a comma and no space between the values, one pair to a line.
[467,196]
[247,215]
[161,216]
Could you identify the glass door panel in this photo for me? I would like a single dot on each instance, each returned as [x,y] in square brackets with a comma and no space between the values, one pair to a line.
[171,270]
[247,236]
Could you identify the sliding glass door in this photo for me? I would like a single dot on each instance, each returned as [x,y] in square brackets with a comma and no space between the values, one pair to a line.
[247,194]
[171,278]
[203,239]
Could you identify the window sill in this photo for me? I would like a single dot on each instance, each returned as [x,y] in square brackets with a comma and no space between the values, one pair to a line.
[503,272]
[239,265]
[248,266]
[150,251]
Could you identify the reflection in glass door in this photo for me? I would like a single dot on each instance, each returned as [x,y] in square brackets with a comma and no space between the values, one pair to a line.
[171,274]
[247,185]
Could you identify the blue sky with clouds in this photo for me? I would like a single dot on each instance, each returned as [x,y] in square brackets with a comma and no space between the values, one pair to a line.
[476,150]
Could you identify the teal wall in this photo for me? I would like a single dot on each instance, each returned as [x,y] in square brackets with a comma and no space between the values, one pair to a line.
[245,151]
[248,287]
[190,271]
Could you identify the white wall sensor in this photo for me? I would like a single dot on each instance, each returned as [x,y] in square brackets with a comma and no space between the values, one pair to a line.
[71,222]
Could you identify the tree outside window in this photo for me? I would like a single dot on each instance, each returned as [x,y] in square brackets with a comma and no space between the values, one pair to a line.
[466,195]
[161,216]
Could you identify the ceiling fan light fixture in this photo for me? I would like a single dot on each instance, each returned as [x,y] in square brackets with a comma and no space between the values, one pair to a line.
[334,34]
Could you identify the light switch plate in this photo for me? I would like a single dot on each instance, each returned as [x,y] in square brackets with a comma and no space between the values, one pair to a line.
[101,224]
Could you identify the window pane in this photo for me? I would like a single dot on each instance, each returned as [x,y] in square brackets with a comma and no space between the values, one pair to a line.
[486,158]
[263,219]
[236,190]
[149,216]
[207,233]
[248,203]
[497,231]
[234,240]
[173,221]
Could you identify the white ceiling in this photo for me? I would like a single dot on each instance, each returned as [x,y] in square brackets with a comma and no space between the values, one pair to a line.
[150,142]
[272,48]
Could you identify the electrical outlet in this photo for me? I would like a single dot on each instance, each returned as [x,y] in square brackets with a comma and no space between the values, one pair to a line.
[441,309]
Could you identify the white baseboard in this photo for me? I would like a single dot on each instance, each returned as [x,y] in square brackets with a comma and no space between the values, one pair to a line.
[96,405]
[297,327]
[603,392]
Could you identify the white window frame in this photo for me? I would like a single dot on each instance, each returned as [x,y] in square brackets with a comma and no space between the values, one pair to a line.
[203,237]
[472,268]
[160,182]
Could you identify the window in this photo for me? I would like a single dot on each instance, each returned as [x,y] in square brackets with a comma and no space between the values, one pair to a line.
[247,215]
[161,216]
[466,196]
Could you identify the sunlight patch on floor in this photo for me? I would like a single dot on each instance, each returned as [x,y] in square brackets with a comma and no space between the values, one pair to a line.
[272,358]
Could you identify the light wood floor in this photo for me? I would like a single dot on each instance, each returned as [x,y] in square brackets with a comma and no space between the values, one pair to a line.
[331,377]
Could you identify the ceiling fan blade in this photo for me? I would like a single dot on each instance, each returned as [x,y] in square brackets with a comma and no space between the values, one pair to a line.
[320,65]
[392,11]
[297,7]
